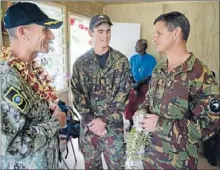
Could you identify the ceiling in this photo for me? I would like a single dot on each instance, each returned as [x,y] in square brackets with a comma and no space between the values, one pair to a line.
[117,2]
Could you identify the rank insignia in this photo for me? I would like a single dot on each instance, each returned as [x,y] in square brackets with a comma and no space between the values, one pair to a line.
[16,99]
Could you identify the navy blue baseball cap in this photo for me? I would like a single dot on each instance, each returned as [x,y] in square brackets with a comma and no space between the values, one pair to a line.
[98,19]
[25,13]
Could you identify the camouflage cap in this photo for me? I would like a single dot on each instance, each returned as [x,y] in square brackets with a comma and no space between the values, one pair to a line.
[98,19]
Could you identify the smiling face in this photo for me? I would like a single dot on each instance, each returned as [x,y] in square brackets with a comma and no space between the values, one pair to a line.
[163,38]
[39,38]
[101,35]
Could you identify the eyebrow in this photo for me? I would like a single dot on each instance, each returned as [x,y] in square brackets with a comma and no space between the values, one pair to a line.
[158,32]
[104,30]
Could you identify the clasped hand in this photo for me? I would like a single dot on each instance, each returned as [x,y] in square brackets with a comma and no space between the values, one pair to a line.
[60,116]
[149,122]
[97,126]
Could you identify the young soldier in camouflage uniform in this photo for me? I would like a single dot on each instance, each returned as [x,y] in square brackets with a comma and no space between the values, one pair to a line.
[182,105]
[100,85]
[29,132]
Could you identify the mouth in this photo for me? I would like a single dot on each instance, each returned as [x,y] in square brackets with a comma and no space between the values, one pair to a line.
[46,44]
[49,46]
[104,40]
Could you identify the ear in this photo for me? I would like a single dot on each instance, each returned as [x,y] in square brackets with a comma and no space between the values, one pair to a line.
[23,33]
[177,32]
[90,33]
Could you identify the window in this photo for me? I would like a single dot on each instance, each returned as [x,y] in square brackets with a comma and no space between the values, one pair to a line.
[80,41]
[55,62]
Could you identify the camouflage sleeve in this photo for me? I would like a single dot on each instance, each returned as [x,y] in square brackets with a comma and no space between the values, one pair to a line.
[16,130]
[120,98]
[79,99]
[145,105]
[207,108]
[205,115]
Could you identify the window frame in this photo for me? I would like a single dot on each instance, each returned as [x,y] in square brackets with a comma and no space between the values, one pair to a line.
[65,42]
[69,14]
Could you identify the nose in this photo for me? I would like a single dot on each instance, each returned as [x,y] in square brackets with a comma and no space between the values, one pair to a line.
[51,35]
[154,39]
[105,34]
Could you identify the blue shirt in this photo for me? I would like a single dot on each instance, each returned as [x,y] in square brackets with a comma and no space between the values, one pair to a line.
[142,66]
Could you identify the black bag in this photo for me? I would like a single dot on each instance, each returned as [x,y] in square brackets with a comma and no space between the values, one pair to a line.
[73,126]
[72,129]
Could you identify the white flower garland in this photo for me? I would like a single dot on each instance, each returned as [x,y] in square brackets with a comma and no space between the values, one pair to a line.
[136,142]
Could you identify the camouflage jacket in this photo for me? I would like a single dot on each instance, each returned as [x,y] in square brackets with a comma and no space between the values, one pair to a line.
[188,105]
[101,92]
[28,133]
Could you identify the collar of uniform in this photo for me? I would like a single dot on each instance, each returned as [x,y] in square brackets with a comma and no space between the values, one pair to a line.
[184,67]
[97,57]
[103,55]
[113,56]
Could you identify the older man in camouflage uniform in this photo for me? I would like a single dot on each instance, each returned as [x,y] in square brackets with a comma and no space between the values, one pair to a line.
[29,132]
[182,105]
[100,85]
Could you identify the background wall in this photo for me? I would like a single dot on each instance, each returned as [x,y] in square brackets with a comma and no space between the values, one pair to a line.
[83,8]
[203,16]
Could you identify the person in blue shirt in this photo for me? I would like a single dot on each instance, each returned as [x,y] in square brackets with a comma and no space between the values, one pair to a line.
[142,65]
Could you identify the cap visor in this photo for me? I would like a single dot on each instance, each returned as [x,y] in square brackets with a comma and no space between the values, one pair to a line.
[51,23]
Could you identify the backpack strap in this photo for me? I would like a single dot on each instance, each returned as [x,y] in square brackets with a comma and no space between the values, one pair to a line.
[72,112]
[65,108]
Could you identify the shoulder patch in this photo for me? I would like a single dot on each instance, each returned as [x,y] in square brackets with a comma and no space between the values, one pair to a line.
[16,99]
[214,105]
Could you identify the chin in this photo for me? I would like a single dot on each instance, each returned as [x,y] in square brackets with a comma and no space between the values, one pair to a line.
[45,51]
[159,50]
[104,45]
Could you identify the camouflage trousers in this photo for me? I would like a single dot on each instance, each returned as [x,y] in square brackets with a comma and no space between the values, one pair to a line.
[111,145]
[162,160]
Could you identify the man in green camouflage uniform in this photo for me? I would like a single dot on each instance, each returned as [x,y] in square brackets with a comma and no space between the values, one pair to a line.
[182,105]
[100,85]
[29,132]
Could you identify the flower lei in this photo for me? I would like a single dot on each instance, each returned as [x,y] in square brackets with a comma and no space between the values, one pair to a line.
[37,77]
[136,142]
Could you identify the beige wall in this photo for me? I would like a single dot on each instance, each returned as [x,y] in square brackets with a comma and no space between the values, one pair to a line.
[83,8]
[4,37]
[203,16]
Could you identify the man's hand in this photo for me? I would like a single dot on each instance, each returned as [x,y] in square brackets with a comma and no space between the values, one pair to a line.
[97,126]
[102,133]
[149,122]
[60,116]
